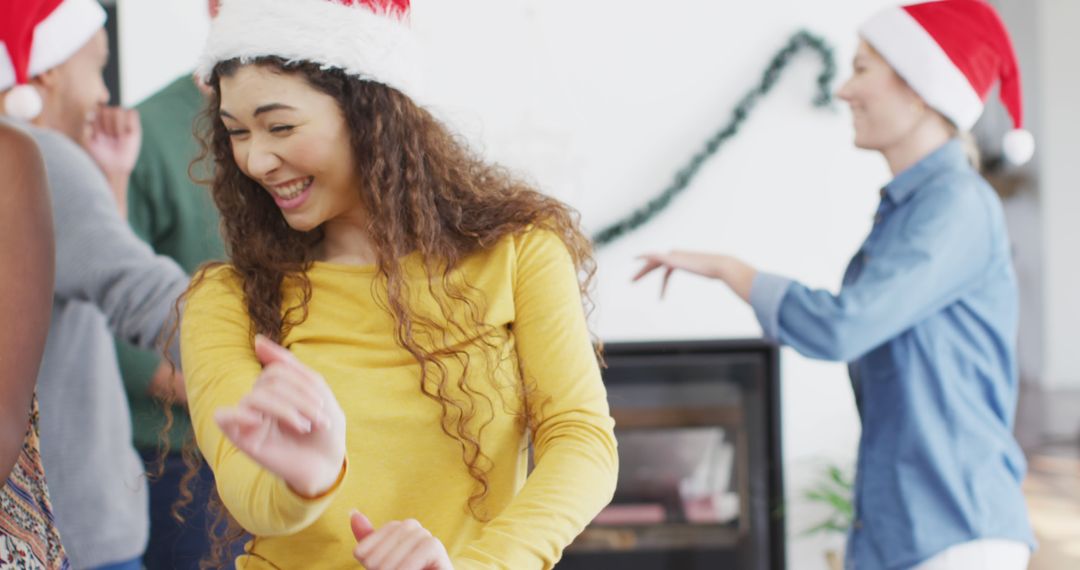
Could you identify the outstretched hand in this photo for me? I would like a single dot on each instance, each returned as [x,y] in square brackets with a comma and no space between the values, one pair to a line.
[290,422]
[397,545]
[738,275]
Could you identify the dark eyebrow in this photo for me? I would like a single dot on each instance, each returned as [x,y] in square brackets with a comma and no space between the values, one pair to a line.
[273,107]
[263,109]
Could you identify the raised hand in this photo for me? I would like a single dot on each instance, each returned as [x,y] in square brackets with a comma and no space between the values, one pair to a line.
[114,141]
[738,275]
[398,545]
[700,263]
[290,422]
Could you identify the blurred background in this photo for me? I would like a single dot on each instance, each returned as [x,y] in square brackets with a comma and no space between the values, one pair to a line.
[600,103]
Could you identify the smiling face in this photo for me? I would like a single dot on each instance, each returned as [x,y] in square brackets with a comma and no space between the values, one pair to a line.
[74,90]
[884,108]
[292,140]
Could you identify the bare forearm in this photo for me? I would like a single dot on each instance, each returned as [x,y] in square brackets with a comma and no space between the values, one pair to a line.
[27,251]
[11,441]
[22,347]
[738,275]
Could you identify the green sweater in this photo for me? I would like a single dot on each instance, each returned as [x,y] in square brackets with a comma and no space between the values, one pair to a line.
[177,218]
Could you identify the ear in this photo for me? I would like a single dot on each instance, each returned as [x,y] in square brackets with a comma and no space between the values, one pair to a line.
[46,82]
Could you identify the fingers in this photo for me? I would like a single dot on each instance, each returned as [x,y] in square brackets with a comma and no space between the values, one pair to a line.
[655,261]
[291,386]
[96,127]
[428,554]
[705,264]
[237,418]
[361,526]
[281,395]
[667,278]
[243,427]
[392,543]
[285,404]
[399,545]
[269,352]
[651,263]
[116,122]
[131,121]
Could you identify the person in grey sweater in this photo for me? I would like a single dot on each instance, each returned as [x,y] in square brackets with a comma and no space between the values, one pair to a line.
[107,281]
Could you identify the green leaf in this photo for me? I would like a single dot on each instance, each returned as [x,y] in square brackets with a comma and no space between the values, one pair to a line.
[831,525]
[831,498]
[837,476]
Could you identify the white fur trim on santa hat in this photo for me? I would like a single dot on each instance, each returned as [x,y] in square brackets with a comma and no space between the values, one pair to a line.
[1018,146]
[376,47]
[64,32]
[7,71]
[918,58]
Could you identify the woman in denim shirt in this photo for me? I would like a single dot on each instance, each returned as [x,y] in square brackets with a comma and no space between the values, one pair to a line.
[927,314]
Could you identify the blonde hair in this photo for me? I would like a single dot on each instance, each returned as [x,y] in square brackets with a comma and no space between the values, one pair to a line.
[971,147]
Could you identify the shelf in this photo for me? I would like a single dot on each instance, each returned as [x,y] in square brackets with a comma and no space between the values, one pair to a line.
[681,416]
[655,537]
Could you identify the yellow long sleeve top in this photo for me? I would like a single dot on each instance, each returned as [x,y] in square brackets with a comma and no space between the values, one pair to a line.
[400,463]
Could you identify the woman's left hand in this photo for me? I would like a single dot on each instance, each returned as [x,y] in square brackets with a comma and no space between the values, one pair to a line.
[738,275]
[397,545]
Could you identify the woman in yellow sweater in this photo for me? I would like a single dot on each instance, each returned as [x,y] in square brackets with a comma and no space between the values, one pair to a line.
[398,320]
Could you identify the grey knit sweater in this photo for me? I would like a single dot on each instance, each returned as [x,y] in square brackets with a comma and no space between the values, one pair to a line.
[107,281]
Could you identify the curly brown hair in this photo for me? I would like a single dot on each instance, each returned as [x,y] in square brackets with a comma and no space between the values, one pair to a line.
[426,194]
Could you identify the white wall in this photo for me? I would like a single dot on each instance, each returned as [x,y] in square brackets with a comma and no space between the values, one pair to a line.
[601,102]
[1059,90]
[159,40]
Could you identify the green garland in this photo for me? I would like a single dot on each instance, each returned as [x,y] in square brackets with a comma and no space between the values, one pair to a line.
[803,39]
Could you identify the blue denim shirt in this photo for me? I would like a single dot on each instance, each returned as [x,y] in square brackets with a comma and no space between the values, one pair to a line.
[927,320]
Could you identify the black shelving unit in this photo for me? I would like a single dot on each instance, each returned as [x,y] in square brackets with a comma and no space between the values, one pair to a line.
[673,402]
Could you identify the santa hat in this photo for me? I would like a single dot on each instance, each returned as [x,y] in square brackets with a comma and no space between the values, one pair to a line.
[36,36]
[951,52]
[369,39]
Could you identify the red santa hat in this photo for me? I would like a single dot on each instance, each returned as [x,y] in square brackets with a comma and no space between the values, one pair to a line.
[369,39]
[36,36]
[951,52]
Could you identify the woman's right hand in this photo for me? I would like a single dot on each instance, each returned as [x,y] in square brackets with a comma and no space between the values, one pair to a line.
[290,422]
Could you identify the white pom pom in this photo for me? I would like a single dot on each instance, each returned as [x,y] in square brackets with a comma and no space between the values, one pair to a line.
[1019,146]
[23,102]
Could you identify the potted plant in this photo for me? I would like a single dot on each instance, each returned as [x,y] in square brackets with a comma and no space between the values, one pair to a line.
[835,492]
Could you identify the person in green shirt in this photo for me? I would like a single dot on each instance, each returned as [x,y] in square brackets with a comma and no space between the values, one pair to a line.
[176,216]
